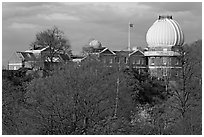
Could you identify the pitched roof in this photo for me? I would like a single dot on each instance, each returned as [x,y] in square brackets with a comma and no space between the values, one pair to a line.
[15,57]
[127,52]
[137,51]
[27,56]
[122,52]
[37,50]
[106,49]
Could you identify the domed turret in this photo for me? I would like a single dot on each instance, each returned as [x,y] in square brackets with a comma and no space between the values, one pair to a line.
[164,32]
[95,44]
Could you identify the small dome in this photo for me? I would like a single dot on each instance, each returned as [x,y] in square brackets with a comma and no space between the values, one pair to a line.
[95,44]
[164,32]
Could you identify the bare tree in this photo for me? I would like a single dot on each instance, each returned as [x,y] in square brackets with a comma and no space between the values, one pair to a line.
[54,40]
[188,86]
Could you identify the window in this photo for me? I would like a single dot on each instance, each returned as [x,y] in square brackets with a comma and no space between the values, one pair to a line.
[104,60]
[170,61]
[117,59]
[125,60]
[133,61]
[152,60]
[165,72]
[139,71]
[177,61]
[165,49]
[176,74]
[164,60]
[143,61]
[111,61]
[138,61]
[159,72]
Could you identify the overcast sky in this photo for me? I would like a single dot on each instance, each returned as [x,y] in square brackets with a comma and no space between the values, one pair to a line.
[80,22]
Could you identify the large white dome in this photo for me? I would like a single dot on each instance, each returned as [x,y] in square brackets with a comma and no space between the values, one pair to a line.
[164,32]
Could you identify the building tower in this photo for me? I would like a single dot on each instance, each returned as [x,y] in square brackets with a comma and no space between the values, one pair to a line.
[164,38]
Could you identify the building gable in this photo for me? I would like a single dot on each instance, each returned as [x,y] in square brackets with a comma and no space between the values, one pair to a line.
[15,57]
[107,51]
[137,53]
[122,53]
[27,56]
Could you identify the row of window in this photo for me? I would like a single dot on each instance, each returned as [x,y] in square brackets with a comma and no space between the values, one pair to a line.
[138,61]
[166,73]
[125,60]
[164,61]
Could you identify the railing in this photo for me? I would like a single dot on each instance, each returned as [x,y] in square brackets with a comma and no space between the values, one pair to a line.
[161,53]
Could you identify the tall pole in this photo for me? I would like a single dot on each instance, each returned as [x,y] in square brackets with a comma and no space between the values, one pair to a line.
[129,36]
[116,99]
[117,92]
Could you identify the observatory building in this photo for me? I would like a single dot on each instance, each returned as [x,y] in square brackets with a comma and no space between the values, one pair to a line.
[164,38]
[160,58]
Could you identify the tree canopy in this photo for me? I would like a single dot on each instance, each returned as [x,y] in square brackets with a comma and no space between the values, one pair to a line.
[90,98]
